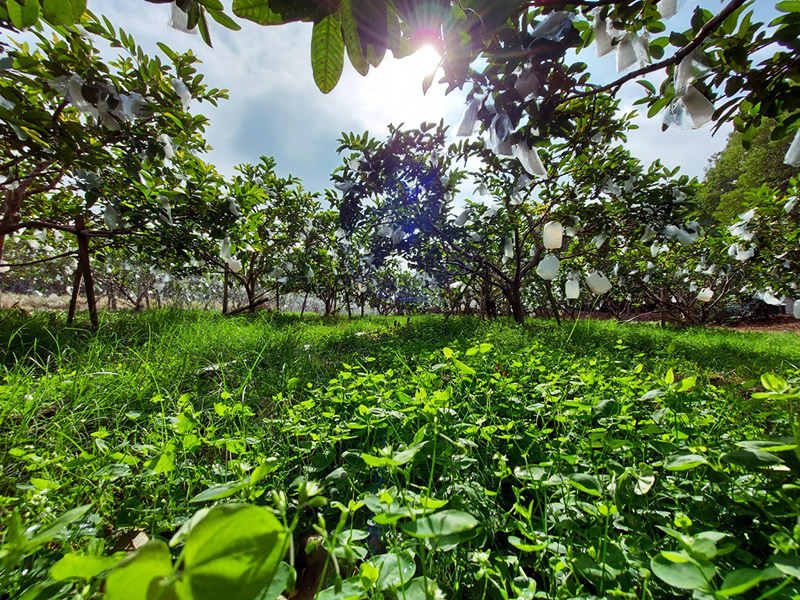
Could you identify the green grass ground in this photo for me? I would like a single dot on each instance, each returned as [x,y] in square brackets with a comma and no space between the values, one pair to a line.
[575,450]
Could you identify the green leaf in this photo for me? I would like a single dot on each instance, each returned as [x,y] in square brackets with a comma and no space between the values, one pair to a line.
[446,522]
[293,383]
[232,553]
[774,383]
[421,589]
[273,12]
[350,589]
[351,40]
[396,569]
[586,483]
[683,575]
[368,574]
[280,581]
[218,491]
[740,581]
[684,462]
[465,369]
[211,4]
[644,481]
[224,20]
[372,23]
[23,13]
[142,575]
[788,564]
[327,53]
[789,6]
[57,527]
[164,462]
[751,458]
[81,566]
[63,12]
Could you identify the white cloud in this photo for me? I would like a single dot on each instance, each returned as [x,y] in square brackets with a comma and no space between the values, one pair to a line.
[275,108]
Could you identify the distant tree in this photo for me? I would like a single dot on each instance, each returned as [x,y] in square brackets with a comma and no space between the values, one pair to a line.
[736,170]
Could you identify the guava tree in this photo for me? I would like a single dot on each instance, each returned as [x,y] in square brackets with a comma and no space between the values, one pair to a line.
[583,181]
[316,268]
[271,215]
[86,139]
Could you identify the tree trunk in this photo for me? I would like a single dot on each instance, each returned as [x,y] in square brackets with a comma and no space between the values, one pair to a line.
[347,301]
[251,297]
[76,290]
[363,302]
[553,303]
[225,284]
[278,298]
[514,297]
[86,268]
[303,309]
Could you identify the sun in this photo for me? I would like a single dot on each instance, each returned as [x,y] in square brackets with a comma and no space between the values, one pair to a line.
[425,60]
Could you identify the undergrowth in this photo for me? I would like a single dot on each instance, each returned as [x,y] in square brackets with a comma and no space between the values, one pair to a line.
[419,457]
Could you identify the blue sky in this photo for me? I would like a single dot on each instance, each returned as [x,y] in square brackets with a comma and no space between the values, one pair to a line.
[275,109]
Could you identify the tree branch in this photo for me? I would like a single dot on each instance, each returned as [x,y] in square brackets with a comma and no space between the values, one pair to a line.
[682,53]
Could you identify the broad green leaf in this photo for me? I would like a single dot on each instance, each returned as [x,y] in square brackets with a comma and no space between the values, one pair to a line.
[63,12]
[740,581]
[164,462]
[232,553]
[57,527]
[23,13]
[273,12]
[351,39]
[284,576]
[683,575]
[293,383]
[586,483]
[81,566]
[751,458]
[350,589]
[788,564]
[644,481]
[789,6]
[368,574]
[465,369]
[448,352]
[187,526]
[372,23]
[767,445]
[446,522]
[395,569]
[142,575]
[218,491]
[421,589]
[774,383]
[327,53]
[684,462]
[687,383]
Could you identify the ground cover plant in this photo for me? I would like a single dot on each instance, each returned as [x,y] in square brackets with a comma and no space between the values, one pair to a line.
[388,458]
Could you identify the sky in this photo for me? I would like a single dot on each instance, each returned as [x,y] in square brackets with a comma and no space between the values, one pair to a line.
[275,108]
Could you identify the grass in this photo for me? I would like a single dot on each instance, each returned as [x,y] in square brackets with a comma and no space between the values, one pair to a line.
[575,451]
